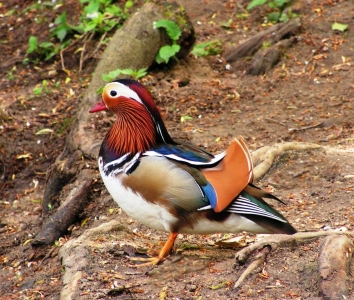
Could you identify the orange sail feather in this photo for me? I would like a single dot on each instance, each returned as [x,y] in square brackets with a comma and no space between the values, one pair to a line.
[232,175]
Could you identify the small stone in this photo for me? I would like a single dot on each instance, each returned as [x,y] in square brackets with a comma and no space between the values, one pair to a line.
[191,287]
[37,210]
[160,75]
[23,226]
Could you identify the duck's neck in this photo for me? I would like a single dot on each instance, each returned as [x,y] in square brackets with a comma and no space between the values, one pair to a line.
[133,131]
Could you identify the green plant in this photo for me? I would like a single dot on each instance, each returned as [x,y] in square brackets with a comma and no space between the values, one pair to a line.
[45,50]
[136,74]
[208,48]
[98,16]
[168,51]
[278,15]
[10,73]
[42,88]
[66,123]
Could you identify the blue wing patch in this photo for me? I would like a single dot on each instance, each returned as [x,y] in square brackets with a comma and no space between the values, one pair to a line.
[210,194]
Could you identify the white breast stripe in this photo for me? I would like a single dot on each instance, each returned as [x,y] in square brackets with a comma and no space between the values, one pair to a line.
[130,163]
[115,162]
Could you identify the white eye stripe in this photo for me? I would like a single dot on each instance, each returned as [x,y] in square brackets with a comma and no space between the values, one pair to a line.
[121,90]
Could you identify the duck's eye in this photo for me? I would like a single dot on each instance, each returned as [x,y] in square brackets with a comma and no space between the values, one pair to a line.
[113,93]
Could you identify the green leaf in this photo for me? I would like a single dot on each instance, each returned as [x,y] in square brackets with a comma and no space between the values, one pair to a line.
[186,118]
[140,73]
[61,19]
[90,26]
[32,44]
[92,7]
[80,28]
[208,48]
[128,4]
[127,72]
[171,27]
[65,44]
[111,75]
[38,90]
[61,32]
[166,52]
[158,58]
[44,131]
[280,3]
[46,45]
[339,26]
[284,18]
[274,16]
[100,90]
[255,3]
[113,10]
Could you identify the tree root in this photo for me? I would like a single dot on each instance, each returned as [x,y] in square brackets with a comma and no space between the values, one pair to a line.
[259,260]
[58,223]
[265,245]
[264,157]
[334,266]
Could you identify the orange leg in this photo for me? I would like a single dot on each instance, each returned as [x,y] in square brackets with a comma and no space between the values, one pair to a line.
[162,254]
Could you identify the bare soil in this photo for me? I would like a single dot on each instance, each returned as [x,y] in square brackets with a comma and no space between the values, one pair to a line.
[307,97]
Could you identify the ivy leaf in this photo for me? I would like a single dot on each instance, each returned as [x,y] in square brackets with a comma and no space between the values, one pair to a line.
[171,27]
[166,52]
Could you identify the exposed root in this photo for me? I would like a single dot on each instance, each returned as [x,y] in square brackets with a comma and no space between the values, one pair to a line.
[259,260]
[281,240]
[265,156]
[265,245]
[334,266]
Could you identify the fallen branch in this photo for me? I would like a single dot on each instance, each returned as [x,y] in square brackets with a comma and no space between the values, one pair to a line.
[305,127]
[264,60]
[272,35]
[275,121]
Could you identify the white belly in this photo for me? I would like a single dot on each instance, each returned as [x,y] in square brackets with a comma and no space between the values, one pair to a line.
[152,215]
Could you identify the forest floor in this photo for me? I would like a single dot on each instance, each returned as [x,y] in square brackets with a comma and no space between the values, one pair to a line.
[307,97]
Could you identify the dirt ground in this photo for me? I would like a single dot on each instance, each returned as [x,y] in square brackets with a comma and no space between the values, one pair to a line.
[307,97]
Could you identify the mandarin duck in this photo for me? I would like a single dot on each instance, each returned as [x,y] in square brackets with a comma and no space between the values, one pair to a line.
[172,186]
